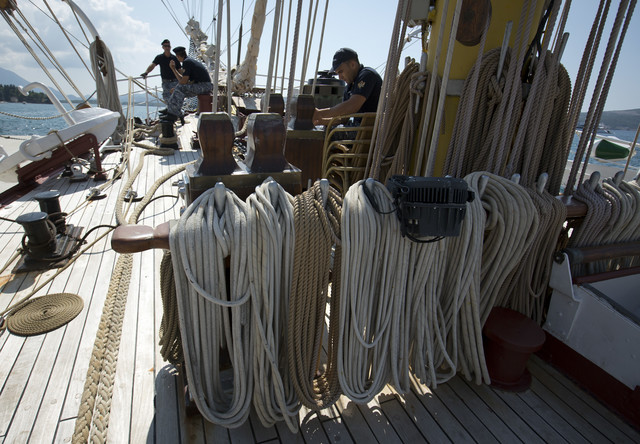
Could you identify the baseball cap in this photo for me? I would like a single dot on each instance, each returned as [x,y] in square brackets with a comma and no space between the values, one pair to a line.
[342,55]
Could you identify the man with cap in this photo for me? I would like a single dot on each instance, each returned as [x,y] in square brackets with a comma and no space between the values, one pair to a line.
[169,80]
[363,87]
[193,80]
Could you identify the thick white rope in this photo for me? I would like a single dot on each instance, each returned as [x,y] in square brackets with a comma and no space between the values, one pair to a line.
[211,229]
[270,239]
[370,250]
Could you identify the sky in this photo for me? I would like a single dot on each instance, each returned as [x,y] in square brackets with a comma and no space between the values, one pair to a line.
[133,30]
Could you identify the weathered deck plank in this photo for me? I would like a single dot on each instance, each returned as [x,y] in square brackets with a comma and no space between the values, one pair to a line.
[616,429]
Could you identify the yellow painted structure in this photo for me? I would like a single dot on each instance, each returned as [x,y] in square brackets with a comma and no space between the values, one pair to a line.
[502,11]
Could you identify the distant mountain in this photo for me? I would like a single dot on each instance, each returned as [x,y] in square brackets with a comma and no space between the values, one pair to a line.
[11,78]
[628,119]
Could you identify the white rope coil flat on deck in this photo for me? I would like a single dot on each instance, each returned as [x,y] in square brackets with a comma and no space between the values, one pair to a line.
[270,239]
[211,229]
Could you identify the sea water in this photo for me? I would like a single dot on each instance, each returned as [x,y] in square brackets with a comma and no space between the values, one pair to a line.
[34,118]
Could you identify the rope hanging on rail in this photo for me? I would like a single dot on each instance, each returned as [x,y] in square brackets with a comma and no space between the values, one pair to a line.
[106,85]
[270,243]
[213,318]
[316,282]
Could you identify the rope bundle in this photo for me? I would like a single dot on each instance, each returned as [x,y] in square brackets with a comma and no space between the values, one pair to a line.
[511,224]
[612,217]
[367,291]
[530,279]
[213,318]
[270,240]
[317,228]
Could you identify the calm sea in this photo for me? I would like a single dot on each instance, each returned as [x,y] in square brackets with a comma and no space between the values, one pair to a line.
[24,127]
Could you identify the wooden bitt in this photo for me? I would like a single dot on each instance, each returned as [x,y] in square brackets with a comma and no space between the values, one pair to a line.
[265,143]
[302,113]
[474,19]
[304,150]
[215,133]
[205,103]
[276,104]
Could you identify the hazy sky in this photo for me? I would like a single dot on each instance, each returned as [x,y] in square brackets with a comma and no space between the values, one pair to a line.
[133,31]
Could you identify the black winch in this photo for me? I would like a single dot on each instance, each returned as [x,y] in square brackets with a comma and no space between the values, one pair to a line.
[48,241]
[429,208]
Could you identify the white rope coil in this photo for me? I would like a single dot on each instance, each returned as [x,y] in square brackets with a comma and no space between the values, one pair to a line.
[270,239]
[212,318]
[369,265]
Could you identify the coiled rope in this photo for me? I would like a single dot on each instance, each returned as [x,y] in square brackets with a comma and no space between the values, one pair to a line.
[511,224]
[212,228]
[170,339]
[531,278]
[317,226]
[270,241]
[367,291]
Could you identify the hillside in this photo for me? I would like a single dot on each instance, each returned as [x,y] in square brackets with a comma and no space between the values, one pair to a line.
[11,78]
[621,120]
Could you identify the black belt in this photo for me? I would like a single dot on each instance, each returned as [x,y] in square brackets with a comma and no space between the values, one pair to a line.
[169,80]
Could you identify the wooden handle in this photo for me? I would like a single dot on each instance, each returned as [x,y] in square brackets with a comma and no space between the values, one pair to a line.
[136,238]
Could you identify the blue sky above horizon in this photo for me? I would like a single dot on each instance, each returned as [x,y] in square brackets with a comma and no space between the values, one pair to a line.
[133,30]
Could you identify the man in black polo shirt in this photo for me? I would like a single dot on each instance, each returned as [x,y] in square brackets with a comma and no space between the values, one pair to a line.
[169,80]
[193,80]
[363,87]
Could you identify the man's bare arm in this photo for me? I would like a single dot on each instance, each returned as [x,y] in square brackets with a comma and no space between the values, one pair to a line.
[350,106]
[182,79]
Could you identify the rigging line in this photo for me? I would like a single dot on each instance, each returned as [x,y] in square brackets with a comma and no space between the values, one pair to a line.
[34,55]
[47,52]
[186,8]
[223,51]
[324,22]
[81,27]
[307,42]
[174,17]
[312,27]
[275,73]
[383,64]
[68,39]
[66,30]
[244,12]
[286,45]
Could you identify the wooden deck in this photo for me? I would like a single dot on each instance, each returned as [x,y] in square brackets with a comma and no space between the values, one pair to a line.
[42,377]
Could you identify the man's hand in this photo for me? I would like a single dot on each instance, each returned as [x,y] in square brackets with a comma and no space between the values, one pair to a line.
[172,64]
[144,75]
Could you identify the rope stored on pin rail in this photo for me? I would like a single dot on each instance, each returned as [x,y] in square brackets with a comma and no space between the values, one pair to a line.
[316,282]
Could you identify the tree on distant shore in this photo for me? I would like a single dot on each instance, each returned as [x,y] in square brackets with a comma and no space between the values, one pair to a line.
[10,93]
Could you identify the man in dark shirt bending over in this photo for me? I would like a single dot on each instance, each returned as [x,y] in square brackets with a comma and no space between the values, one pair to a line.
[363,87]
[193,80]
[169,80]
